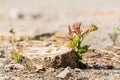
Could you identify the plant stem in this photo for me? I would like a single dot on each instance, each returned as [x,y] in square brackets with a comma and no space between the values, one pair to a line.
[79,41]
[78,47]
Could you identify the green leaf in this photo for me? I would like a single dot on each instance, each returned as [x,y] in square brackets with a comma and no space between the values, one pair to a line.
[73,43]
[16,57]
[41,38]
[59,36]
[84,49]
[79,56]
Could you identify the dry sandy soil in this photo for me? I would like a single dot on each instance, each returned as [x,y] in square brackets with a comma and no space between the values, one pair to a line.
[34,17]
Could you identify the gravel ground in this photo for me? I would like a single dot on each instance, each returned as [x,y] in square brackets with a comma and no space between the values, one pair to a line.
[32,17]
[97,64]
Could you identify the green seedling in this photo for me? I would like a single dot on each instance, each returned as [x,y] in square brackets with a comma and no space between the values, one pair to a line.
[13,35]
[118,29]
[76,37]
[114,37]
[15,55]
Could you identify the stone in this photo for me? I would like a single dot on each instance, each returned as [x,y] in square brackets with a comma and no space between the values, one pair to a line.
[3,60]
[4,78]
[65,73]
[39,79]
[10,67]
[1,65]
[46,54]
[51,69]
[77,70]
[16,78]
[2,53]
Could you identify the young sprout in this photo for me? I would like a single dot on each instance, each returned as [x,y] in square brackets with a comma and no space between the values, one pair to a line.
[118,29]
[76,36]
[15,55]
[114,37]
[13,35]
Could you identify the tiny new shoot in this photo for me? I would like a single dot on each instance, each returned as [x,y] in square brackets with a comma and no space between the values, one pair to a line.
[114,37]
[13,35]
[76,37]
[118,29]
[15,55]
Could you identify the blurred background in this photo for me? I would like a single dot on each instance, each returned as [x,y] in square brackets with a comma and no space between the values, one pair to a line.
[30,16]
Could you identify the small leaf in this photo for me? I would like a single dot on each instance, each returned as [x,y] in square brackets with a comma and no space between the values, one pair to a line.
[41,39]
[73,43]
[84,49]
[59,36]
[86,32]
[79,56]
[16,55]
[94,27]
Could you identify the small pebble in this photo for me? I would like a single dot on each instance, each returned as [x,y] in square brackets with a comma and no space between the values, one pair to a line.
[1,65]
[10,67]
[65,73]
[77,70]
[52,69]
